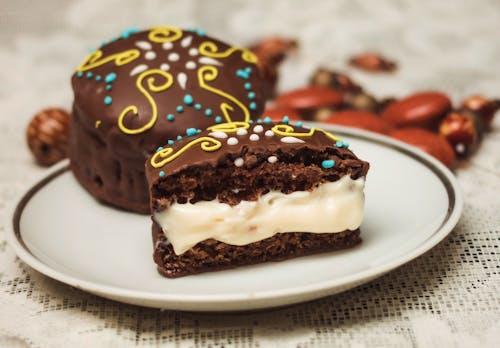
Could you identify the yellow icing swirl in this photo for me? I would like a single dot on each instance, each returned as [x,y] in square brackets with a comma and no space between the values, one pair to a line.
[167,155]
[210,49]
[164,34]
[229,127]
[288,131]
[151,87]
[95,59]
[209,73]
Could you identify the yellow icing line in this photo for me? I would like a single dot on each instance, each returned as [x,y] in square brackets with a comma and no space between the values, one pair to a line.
[210,49]
[230,127]
[164,34]
[151,87]
[207,144]
[209,73]
[288,131]
[94,59]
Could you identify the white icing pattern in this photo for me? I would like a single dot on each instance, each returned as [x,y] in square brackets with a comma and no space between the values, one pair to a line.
[218,135]
[232,141]
[238,162]
[258,129]
[272,159]
[292,140]
[254,137]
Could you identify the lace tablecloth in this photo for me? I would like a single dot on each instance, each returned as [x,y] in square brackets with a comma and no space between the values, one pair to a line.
[448,297]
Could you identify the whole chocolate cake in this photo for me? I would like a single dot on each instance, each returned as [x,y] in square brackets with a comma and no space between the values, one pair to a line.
[242,193]
[147,88]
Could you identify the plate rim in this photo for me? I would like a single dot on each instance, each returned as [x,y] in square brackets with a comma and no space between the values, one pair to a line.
[294,294]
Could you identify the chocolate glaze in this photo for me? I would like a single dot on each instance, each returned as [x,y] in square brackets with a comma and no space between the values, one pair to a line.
[98,103]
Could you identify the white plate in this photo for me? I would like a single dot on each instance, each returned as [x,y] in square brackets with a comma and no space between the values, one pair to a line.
[412,203]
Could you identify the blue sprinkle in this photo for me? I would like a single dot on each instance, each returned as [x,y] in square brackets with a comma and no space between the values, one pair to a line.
[103,44]
[253,106]
[267,119]
[79,74]
[127,32]
[110,77]
[197,106]
[91,50]
[108,100]
[198,131]
[218,119]
[250,121]
[89,75]
[339,143]
[180,108]
[244,74]
[108,87]
[98,78]
[328,164]
[170,117]
[201,32]
[299,124]
[346,144]
[251,95]
[188,99]
[170,142]
[248,70]
[159,149]
[259,120]
[179,137]
[161,174]
[285,119]
[208,112]
[248,85]
[113,39]
[191,131]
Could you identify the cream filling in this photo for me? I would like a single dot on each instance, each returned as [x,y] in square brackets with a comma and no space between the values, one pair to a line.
[331,207]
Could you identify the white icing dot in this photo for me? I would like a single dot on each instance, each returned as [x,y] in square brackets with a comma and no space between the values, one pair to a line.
[232,141]
[150,55]
[182,79]
[241,131]
[173,57]
[292,140]
[190,65]
[269,133]
[258,129]
[143,45]
[238,162]
[254,137]
[165,67]
[186,41]
[272,159]
[209,61]
[193,52]
[138,69]
[167,45]
[218,134]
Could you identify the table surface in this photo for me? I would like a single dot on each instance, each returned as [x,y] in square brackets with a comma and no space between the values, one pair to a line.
[445,298]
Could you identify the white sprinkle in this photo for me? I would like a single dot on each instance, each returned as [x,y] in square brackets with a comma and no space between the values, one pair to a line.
[167,45]
[218,134]
[193,52]
[272,159]
[292,140]
[173,57]
[241,131]
[238,162]
[258,129]
[254,137]
[143,45]
[150,55]
[209,61]
[182,79]
[138,69]
[165,67]
[190,65]
[186,41]
[232,141]
[269,133]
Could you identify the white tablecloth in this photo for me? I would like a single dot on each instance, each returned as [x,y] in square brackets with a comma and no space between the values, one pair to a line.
[449,297]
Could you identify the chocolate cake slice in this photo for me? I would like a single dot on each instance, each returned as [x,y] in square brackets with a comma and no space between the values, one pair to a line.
[243,193]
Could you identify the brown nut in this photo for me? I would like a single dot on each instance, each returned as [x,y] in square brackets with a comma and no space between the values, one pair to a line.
[333,79]
[309,99]
[461,131]
[361,101]
[277,114]
[359,119]
[424,109]
[484,108]
[427,141]
[373,62]
[47,136]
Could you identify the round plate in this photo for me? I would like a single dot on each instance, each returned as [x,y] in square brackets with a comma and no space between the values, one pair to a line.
[412,203]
